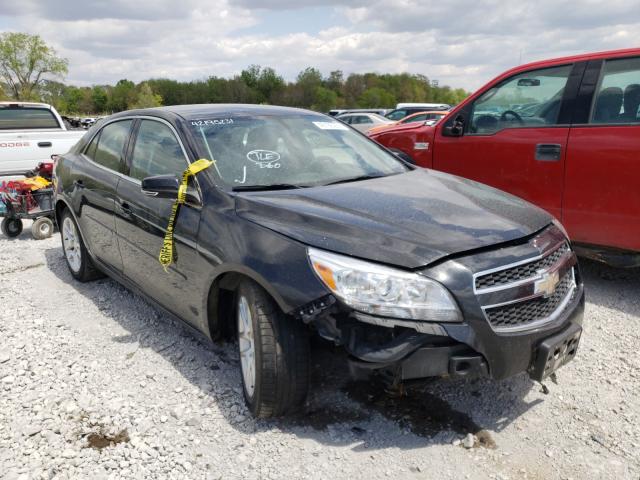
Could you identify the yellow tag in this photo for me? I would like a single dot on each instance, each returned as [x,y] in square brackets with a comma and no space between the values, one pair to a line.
[166,252]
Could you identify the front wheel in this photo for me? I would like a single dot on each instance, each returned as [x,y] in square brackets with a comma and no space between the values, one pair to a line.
[80,264]
[11,227]
[274,354]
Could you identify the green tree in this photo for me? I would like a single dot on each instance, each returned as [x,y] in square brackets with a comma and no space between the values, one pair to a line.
[377,98]
[25,61]
[122,95]
[99,98]
[145,97]
[325,99]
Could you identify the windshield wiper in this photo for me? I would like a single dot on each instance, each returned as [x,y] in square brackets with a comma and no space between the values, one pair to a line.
[355,179]
[259,188]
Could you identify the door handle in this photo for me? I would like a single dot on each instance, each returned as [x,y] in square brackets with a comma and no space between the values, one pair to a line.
[548,152]
[125,209]
[44,144]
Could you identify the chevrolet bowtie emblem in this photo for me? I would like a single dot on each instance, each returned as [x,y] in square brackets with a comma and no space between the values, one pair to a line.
[547,283]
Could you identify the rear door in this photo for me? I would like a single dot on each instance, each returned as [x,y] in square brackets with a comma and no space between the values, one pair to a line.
[141,222]
[95,184]
[602,195]
[515,135]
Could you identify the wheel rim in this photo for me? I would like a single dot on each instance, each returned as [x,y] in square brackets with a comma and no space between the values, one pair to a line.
[247,346]
[71,244]
[13,227]
[45,229]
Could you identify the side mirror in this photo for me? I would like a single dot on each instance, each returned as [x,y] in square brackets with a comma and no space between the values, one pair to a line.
[456,128]
[166,186]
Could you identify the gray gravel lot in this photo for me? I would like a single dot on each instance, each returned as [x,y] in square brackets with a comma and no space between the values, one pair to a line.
[95,383]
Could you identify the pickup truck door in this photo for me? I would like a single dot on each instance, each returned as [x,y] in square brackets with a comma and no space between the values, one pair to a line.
[141,222]
[602,193]
[94,190]
[513,136]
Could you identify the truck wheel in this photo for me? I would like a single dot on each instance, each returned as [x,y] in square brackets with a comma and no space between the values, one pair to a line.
[80,264]
[42,228]
[274,354]
[11,227]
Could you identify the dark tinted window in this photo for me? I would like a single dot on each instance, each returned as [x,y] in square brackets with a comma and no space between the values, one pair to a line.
[13,118]
[618,98]
[156,152]
[109,151]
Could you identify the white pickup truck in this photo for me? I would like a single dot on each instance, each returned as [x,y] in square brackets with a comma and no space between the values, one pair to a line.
[29,134]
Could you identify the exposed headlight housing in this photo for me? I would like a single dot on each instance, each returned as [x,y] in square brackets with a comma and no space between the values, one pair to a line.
[379,290]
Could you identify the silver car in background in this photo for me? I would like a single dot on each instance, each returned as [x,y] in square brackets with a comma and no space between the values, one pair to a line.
[364,121]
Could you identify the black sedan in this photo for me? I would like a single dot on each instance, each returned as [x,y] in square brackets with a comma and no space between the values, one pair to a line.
[268,224]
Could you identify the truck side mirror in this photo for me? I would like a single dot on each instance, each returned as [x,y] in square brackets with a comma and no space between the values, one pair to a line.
[456,128]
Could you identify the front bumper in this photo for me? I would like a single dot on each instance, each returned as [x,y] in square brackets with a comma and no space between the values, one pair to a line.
[474,347]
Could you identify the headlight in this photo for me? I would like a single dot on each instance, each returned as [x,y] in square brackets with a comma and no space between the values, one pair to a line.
[384,291]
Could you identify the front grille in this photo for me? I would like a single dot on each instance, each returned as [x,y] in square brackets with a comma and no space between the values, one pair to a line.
[523,313]
[521,272]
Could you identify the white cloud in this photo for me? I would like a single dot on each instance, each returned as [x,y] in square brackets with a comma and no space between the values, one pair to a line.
[462,43]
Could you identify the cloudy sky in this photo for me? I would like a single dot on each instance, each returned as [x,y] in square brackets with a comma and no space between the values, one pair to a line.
[462,43]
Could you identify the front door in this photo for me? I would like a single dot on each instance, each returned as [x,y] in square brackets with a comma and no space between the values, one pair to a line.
[141,223]
[514,137]
[602,195]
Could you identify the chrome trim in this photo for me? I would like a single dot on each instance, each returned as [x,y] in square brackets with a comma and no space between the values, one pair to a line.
[543,321]
[544,254]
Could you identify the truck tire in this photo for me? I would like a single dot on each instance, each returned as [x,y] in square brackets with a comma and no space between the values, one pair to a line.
[75,253]
[42,228]
[274,354]
[11,227]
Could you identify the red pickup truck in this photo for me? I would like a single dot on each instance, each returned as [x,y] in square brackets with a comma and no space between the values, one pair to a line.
[563,134]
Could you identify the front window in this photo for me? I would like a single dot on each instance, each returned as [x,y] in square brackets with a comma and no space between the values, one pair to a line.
[529,99]
[290,150]
[156,152]
[397,115]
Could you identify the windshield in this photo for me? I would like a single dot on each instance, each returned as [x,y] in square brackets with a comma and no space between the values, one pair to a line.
[289,151]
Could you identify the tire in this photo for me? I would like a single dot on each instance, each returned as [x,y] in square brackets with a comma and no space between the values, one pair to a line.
[11,227]
[42,228]
[280,359]
[75,253]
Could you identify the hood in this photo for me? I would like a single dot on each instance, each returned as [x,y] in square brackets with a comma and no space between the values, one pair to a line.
[408,220]
[404,127]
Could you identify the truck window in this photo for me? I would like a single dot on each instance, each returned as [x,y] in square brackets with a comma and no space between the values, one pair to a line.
[25,118]
[156,152]
[107,148]
[527,100]
[618,97]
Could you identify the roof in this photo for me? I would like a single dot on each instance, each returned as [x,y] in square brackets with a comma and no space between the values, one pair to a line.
[25,104]
[190,112]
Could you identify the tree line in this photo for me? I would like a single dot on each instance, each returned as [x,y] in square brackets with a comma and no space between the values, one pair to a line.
[32,71]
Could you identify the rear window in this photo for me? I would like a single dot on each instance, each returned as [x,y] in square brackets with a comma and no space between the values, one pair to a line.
[17,118]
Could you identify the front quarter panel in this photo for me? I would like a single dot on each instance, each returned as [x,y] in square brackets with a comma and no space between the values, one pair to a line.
[279,264]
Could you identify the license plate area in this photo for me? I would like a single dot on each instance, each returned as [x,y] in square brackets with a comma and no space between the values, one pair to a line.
[556,351]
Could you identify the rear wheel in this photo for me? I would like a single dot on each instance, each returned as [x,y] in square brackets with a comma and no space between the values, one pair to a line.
[274,354]
[80,264]
[11,227]
[42,228]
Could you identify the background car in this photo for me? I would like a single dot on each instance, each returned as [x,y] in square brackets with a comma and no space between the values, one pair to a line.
[431,117]
[363,121]
[563,134]
[405,109]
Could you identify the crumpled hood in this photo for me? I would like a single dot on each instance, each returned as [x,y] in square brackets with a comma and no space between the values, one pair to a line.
[408,220]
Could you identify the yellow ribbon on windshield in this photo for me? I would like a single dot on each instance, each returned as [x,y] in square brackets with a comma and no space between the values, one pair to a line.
[166,252]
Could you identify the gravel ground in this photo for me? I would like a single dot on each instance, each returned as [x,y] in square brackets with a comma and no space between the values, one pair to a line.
[95,383]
